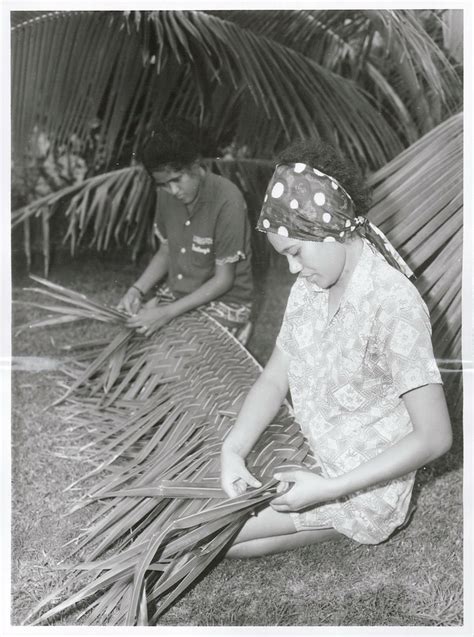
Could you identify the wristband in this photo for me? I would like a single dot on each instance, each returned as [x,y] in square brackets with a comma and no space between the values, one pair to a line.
[140,292]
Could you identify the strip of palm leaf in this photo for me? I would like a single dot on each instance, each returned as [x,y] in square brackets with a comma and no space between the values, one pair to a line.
[154,427]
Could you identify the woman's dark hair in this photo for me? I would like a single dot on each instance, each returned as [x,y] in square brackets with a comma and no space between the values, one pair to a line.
[325,158]
[174,143]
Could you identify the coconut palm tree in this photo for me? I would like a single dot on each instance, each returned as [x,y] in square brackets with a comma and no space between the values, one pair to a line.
[255,77]
[89,86]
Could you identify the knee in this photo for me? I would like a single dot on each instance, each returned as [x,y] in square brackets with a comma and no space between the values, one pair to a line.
[238,551]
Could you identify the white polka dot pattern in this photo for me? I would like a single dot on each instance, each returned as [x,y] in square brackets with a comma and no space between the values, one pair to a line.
[277,190]
[304,203]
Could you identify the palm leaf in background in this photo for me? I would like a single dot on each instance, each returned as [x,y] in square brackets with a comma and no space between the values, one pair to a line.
[418,203]
[118,73]
[129,71]
[117,208]
[154,412]
[387,53]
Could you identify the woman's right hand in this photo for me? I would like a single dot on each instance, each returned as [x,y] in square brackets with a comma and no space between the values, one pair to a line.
[131,302]
[235,477]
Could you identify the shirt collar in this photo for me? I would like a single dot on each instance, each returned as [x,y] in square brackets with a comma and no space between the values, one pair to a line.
[361,283]
[204,193]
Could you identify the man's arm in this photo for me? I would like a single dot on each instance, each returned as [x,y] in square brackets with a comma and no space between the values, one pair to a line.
[213,288]
[149,320]
[154,272]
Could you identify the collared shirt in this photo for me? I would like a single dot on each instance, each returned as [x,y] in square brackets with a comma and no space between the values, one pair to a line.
[215,232]
[347,376]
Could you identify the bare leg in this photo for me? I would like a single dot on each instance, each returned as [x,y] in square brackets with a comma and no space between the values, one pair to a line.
[273,532]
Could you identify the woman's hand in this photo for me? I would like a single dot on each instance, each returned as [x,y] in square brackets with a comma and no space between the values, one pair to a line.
[235,477]
[131,302]
[150,318]
[308,489]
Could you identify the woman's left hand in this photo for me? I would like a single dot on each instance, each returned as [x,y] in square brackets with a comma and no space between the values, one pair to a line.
[150,320]
[308,489]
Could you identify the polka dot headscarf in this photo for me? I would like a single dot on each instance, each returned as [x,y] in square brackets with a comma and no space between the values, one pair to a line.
[303,203]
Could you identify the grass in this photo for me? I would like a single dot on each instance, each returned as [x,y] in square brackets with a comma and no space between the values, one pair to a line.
[414,579]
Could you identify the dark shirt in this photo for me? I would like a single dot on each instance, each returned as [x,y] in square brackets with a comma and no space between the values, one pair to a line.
[216,231]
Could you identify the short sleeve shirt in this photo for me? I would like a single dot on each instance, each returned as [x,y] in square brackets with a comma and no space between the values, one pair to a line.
[346,378]
[217,231]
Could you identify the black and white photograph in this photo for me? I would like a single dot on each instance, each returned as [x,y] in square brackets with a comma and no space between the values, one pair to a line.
[237,340]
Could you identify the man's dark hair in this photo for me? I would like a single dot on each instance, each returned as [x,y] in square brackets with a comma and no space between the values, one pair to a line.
[174,143]
[325,158]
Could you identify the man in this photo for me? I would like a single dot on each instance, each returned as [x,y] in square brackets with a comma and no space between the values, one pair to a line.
[201,221]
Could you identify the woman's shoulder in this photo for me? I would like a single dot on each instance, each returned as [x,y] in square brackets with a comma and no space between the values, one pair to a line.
[392,287]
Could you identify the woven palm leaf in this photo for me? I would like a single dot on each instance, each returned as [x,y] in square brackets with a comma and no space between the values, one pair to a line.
[153,413]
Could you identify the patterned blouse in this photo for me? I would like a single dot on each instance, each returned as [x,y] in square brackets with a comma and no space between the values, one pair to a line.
[346,380]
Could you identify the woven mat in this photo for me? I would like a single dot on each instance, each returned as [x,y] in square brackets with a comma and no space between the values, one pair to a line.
[154,413]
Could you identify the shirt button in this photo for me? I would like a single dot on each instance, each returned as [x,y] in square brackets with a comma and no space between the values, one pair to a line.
[183,250]
[179,276]
[187,223]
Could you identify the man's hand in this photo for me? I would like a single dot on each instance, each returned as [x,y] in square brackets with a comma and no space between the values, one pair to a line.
[308,489]
[151,319]
[131,302]
[235,477]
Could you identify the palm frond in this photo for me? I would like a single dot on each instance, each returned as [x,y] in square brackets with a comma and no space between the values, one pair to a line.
[453,25]
[129,68]
[349,43]
[161,517]
[118,207]
[73,71]
[418,203]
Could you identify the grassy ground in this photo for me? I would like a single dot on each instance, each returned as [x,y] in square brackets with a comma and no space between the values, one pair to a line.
[414,579]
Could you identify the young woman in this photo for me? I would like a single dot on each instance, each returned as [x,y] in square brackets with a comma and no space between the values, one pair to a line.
[355,352]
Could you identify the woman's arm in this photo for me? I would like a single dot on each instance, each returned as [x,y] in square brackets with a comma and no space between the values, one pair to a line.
[260,407]
[430,438]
